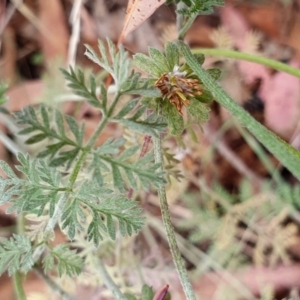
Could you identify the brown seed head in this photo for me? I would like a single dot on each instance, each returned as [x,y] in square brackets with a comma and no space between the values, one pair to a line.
[178,88]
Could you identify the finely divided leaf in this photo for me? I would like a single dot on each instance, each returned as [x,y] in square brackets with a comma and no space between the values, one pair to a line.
[77,82]
[64,260]
[16,254]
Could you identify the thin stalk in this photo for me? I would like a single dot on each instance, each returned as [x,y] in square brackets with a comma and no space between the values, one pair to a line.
[101,126]
[54,286]
[186,27]
[183,23]
[274,64]
[110,284]
[178,261]
[18,287]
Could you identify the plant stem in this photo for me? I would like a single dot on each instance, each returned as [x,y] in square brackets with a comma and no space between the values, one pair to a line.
[178,261]
[274,64]
[288,155]
[73,176]
[18,287]
[109,282]
[103,123]
[54,286]
[186,26]
[183,23]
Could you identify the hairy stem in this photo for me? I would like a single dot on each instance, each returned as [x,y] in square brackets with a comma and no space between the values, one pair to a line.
[276,65]
[183,23]
[18,287]
[110,283]
[54,286]
[103,123]
[186,26]
[178,261]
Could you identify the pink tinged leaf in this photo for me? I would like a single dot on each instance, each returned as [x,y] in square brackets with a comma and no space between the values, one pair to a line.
[160,295]
[281,95]
[137,12]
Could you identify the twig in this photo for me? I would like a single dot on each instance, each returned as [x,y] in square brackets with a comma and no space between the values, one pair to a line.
[109,282]
[178,261]
[18,287]
[54,286]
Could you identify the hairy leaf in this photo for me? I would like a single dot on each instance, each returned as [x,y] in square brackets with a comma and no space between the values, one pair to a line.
[16,254]
[64,260]
[39,121]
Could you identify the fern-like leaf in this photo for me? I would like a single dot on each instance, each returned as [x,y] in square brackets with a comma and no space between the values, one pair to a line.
[39,123]
[40,186]
[16,254]
[77,83]
[114,62]
[64,260]
[104,207]
[124,169]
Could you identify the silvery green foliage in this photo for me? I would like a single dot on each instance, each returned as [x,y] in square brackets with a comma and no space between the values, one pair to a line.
[40,186]
[16,254]
[46,124]
[43,186]
[124,170]
[114,62]
[95,205]
[77,82]
[64,260]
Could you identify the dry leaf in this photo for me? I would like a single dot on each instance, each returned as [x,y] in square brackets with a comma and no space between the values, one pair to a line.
[137,12]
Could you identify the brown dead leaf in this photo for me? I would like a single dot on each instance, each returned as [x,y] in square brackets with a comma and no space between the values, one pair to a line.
[136,13]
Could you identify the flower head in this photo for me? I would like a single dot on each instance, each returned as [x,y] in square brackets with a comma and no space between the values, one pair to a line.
[178,88]
[178,85]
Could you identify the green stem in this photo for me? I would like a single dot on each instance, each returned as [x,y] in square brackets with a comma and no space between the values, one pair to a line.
[18,287]
[103,123]
[276,65]
[186,27]
[59,208]
[178,261]
[287,155]
[110,284]
[54,286]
